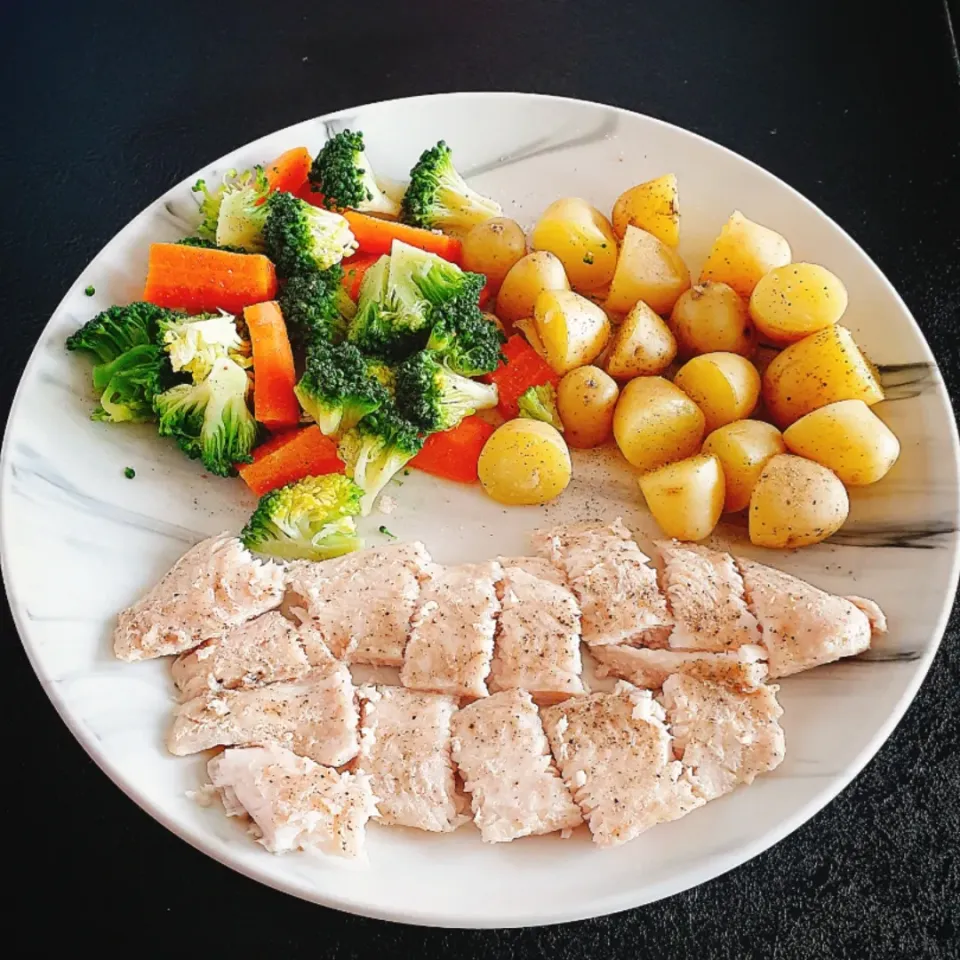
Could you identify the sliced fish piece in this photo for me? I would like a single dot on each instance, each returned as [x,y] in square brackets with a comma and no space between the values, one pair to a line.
[743,668]
[295,803]
[215,585]
[504,760]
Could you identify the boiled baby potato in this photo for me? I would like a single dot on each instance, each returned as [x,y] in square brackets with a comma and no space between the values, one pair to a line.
[743,449]
[524,462]
[647,270]
[795,503]
[642,345]
[581,236]
[848,438]
[793,301]
[710,317]
[725,386]
[656,423]
[525,281]
[743,253]
[653,206]
[825,367]
[686,498]
[493,247]
[572,330]
[586,399]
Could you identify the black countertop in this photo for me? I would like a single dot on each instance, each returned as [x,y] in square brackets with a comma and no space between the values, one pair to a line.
[107,105]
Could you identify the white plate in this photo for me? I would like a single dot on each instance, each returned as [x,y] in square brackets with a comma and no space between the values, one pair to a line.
[80,541]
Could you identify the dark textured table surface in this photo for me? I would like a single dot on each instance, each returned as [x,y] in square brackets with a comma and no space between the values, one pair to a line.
[107,105]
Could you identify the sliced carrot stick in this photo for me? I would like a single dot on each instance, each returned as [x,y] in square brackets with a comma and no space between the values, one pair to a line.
[454,453]
[197,279]
[274,402]
[524,368]
[353,270]
[288,457]
[289,171]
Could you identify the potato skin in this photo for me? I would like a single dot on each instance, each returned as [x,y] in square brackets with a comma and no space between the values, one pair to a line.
[582,238]
[686,498]
[743,449]
[791,302]
[725,386]
[643,344]
[647,270]
[586,400]
[493,247]
[525,281]
[524,462]
[711,317]
[572,329]
[653,206]
[743,252]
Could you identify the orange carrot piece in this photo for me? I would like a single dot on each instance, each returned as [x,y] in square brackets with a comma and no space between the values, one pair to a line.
[524,368]
[198,280]
[376,236]
[274,402]
[288,457]
[354,269]
[454,453]
[289,171]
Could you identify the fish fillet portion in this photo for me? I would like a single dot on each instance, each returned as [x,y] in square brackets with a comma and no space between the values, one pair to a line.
[609,574]
[723,737]
[315,717]
[538,634]
[615,755]
[504,759]
[405,750]
[706,596]
[801,625]
[362,603]
[215,585]
[296,804]
[451,643]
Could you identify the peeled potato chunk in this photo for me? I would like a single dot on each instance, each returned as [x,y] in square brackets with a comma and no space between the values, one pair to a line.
[711,317]
[581,236]
[525,281]
[686,498]
[793,301]
[524,462]
[572,330]
[743,253]
[643,344]
[743,449]
[647,270]
[725,386]
[653,206]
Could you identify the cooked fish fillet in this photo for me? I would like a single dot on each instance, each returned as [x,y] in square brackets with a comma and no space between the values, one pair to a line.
[615,755]
[405,749]
[801,625]
[723,737]
[504,759]
[214,585]
[451,643]
[315,717]
[705,593]
[618,593]
[362,603]
[296,803]
[538,635]
[742,669]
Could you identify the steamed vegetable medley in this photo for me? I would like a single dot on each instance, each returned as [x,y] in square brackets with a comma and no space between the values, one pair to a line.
[319,334]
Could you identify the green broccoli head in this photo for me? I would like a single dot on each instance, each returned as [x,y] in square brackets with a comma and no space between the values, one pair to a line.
[128,384]
[464,339]
[252,184]
[210,420]
[383,373]
[314,304]
[298,235]
[435,398]
[195,343]
[118,329]
[311,519]
[540,403]
[342,173]
[438,198]
[243,213]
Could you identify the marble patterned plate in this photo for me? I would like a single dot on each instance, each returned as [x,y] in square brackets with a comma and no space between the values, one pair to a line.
[80,541]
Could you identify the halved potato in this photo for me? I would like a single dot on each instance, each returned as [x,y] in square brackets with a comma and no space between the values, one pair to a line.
[524,462]
[647,270]
[573,330]
[686,498]
[653,206]
[743,448]
[793,301]
[641,345]
[711,317]
[525,281]
[581,236]
[743,253]
[725,386]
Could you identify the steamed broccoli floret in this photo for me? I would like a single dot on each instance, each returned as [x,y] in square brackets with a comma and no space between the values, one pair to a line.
[298,235]
[117,329]
[342,173]
[315,306]
[128,384]
[435,398]
[389,322]
[421,275]
[439,198]
[383,373]
[194,344]
[311,519]
[210,420]
[464,339]
[540,403]
[228,226]
[336,388]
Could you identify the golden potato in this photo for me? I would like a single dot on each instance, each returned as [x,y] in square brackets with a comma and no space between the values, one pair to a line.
[711,317]
[653,206]
[586,399]
[573,330]
[647,270]
[493,247]
[848,438]
[656,423]
[524,462]
[743,253]
[525,281]
[743,449]
[581,236]
[825,367]
[686,497]
[793,301]
[725,386]
[795,503]
[641,345]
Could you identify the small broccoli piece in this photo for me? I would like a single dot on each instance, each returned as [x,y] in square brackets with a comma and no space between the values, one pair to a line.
[210,420]
[243,212]
[90,290]
[128,384]
[540,403]
[194,344]
[298,235]
[311,519]
[376,448]
[207,244]
[435,398]
[383,373]
[212,201]
[465,340]
[314,305]
[129,472]
[387,323]
[118,329]
[438,197]
[342,173]
[336,389]
[419,275]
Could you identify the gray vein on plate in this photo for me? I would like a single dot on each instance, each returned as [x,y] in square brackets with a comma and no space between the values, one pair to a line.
[904,381]
[887,535]
[899,656]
